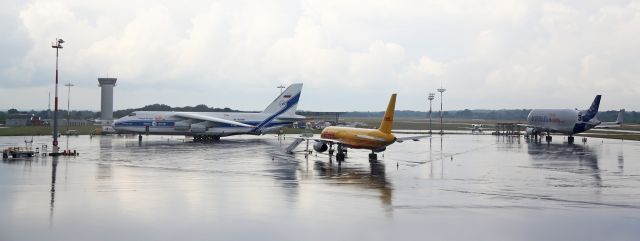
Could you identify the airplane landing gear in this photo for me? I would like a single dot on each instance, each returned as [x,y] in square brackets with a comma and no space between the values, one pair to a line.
[570,139]
[206,138]
[330,149]
[373,156]
[341,154]
[548,138]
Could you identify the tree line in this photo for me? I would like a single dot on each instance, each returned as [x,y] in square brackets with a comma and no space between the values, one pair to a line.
[91,115]
[512,115]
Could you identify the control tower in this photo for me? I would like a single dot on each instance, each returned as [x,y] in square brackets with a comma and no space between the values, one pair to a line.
[106,99]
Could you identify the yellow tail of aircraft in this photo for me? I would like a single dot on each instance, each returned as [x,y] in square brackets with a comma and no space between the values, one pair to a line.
[387,120]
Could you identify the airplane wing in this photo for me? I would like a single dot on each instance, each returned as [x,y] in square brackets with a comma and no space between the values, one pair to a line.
[321,139]
[399,139]
[412,138]
[209,118]
[300,139]
[370,138]
[541,129]
[605,126]
[537,128]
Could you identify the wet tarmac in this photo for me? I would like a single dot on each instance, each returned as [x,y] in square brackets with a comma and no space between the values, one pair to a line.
[460,187]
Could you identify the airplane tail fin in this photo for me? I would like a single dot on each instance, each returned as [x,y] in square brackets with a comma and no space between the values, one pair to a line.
[593,110]
[620,118]
[387,120]
[286,103]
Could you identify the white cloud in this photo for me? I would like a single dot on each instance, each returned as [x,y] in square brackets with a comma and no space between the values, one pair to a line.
[506,53]
[423,74]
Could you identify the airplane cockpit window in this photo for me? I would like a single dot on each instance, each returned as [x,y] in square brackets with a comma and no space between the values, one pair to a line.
[132,114]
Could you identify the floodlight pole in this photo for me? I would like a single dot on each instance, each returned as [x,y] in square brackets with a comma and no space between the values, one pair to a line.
[431,96]
[56,45]
[281,87]
[49,106]
[441,90]
[69,85]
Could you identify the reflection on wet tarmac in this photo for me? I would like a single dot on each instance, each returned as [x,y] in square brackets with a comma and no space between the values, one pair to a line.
[621,162]
[372,177]
[247,188]
[566,157]
[54,167]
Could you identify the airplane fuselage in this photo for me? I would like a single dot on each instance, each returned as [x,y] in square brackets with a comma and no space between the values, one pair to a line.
[359,138]
[565,121]
[167,123]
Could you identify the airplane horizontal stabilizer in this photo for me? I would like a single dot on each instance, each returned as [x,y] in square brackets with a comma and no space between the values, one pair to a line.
[412,138]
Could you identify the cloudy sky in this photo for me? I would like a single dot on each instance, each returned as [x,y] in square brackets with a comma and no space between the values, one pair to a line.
[349,54]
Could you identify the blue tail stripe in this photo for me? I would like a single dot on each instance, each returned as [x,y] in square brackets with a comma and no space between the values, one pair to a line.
[293,101]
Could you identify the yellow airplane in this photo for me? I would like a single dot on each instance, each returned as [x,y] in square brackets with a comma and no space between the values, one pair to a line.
[375,140]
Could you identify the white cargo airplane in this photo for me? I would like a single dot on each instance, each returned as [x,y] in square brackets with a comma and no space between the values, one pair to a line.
[566,121]
[213,125]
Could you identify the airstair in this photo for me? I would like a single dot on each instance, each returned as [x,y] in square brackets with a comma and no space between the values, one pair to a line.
[297,142]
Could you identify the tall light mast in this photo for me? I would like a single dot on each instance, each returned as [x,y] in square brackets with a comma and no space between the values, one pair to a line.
[49,106]
[441,90]
[431,97]
[56,45]
[68,85]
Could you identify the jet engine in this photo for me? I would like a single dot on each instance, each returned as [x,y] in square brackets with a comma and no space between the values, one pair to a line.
[182,126]
[196,128]
[320,146]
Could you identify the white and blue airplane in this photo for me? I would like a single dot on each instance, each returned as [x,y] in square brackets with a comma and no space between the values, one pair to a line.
[566,121]
[213,125]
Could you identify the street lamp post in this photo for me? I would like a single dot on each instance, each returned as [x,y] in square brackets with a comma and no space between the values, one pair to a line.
[441,90]
[56,45]
[431,96]
[68,85]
